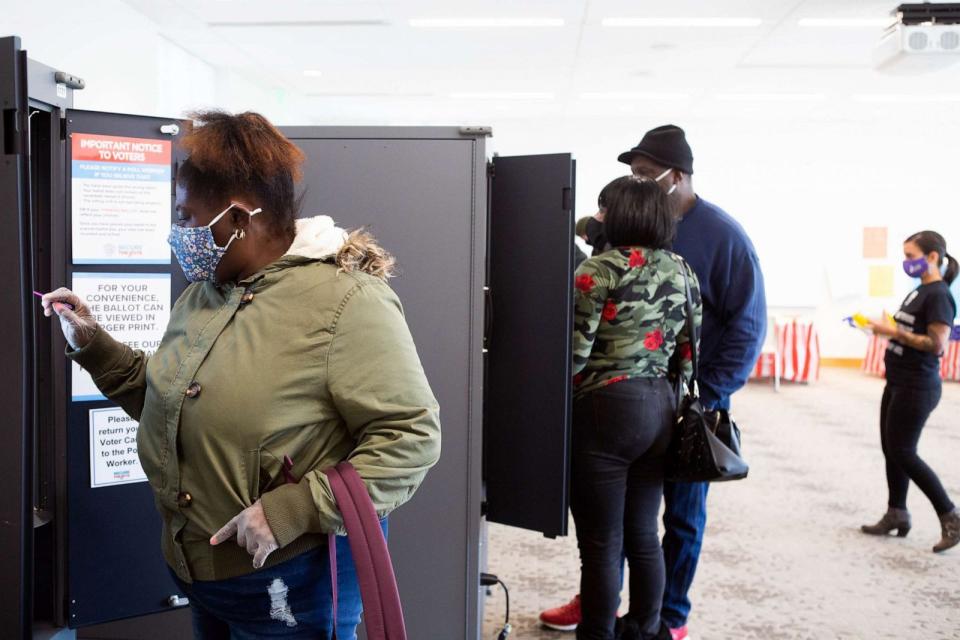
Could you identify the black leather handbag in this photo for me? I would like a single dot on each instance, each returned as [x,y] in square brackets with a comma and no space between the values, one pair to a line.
[706,444]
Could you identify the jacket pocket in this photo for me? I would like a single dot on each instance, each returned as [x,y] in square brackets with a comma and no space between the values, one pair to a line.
[270,471]
[251,468]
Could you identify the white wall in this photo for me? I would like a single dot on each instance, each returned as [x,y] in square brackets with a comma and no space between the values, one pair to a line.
[803,186]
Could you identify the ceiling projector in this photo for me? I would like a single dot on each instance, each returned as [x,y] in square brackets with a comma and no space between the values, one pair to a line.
[923,37]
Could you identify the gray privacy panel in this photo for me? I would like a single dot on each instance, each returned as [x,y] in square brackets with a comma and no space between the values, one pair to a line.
[418,197]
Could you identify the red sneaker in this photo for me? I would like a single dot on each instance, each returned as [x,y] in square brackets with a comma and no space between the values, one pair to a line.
[679,634]
[565,618]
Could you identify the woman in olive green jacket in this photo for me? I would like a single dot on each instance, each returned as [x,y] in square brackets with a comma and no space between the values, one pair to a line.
[288,345]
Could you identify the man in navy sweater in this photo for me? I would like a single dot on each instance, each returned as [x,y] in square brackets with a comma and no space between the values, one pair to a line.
[733,330]
[732,334]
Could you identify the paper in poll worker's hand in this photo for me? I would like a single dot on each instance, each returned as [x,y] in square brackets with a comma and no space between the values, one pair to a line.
[858,321]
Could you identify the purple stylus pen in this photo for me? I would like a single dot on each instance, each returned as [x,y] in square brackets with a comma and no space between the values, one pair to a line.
[68,306]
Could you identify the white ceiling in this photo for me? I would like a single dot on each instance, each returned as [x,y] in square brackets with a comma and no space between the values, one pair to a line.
[370,59]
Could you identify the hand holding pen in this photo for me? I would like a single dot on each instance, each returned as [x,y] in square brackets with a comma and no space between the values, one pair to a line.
[76,321]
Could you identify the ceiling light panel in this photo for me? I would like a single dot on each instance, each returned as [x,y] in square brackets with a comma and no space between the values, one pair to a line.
[771,97]
[297,24]
[503,95]
[486,23]
[631,96]
[908,98]
[704,22]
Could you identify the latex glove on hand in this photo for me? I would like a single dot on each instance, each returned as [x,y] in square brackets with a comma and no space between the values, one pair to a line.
[252,531]
[78,324]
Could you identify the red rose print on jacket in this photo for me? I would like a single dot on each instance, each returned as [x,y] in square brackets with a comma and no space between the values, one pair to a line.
[584,283]
[577,379]
[653,340]
[637,259]
[685,351]
[609,311]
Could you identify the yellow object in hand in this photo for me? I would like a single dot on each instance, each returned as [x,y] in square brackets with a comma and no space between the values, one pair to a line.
[860,320]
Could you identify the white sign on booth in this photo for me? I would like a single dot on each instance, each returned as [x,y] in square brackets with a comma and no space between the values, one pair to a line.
[134,308]
[113,448]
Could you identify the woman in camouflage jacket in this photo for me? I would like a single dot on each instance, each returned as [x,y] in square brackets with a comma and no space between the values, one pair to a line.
[630,319]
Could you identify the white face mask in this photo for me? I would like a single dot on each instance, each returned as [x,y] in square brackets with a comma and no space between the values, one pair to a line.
[664,175]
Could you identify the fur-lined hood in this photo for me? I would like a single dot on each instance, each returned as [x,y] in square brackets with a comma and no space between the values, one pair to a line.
[319,238]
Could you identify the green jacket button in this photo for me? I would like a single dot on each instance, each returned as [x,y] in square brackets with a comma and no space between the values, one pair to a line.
[184,499]
[193,390]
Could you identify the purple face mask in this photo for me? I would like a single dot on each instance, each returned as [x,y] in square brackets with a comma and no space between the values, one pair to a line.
[915,268]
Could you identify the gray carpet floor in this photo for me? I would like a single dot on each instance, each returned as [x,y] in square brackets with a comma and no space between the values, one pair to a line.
[783,556]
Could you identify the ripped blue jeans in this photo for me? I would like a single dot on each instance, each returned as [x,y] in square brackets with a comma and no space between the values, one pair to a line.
[292,600]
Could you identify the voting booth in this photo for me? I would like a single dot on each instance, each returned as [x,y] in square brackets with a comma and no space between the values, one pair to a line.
[485,254]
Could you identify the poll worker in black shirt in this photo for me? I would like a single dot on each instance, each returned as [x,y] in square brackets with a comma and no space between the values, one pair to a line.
[923,327]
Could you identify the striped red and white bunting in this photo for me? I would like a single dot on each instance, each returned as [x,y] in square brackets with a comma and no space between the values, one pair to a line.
[766,365]
[873,361]
[950,364]
[798,345]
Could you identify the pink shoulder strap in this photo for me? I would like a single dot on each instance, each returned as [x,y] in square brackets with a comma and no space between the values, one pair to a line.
[382,613]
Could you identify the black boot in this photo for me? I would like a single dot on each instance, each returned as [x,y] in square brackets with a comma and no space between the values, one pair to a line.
[628,629]
[898,519]
[950,525]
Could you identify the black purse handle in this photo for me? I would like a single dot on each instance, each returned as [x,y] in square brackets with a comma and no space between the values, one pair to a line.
[691,330]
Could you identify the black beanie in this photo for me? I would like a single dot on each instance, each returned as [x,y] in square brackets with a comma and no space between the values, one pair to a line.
[666,145]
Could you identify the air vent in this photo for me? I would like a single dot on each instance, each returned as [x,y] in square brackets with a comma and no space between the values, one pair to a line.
[918,41]
[932,39]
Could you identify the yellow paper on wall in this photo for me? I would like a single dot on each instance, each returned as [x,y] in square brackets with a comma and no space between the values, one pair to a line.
[881,281]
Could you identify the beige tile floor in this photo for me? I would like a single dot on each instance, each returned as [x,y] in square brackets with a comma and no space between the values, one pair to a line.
[783,556]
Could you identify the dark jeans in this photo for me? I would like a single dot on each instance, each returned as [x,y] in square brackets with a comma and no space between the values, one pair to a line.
[292,600]
[903,413]
[684,521]
[620,439]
